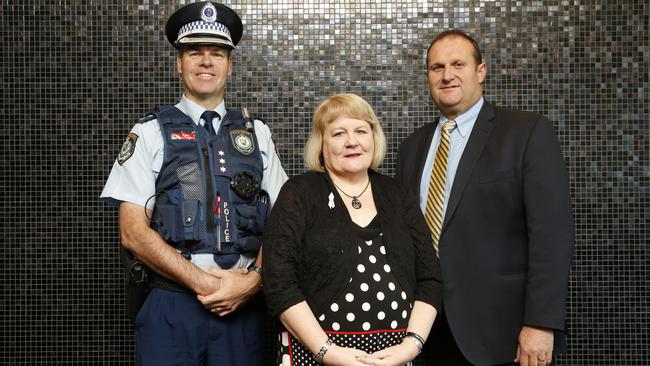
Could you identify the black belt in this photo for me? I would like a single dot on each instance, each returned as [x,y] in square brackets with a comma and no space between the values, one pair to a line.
[156,280]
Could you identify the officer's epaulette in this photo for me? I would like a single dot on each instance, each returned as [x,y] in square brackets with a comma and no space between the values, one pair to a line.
[247,115]
[146,118]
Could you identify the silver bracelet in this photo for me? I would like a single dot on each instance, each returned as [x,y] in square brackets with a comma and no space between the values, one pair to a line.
[323,350]
[415,338]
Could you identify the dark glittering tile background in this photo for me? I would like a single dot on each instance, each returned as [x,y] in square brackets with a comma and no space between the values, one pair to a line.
[77,74]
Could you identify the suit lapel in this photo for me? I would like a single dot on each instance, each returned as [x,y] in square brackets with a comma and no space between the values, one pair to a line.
[479,137]
[422,151]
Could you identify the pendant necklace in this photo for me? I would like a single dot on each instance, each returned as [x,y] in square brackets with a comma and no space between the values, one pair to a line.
[355,199]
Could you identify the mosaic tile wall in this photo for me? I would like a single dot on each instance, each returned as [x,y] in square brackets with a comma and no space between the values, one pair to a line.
[77,74]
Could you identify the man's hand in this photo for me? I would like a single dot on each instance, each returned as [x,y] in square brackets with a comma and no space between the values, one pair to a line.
[535,346]
[237,286]
[208,285]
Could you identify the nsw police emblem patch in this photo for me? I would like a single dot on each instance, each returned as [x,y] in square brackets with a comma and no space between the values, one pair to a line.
[242,141]
[128,147]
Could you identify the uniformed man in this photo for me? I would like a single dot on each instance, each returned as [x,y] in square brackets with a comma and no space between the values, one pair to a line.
[194,183]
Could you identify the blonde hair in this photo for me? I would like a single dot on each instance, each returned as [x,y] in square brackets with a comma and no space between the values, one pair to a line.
[351,106]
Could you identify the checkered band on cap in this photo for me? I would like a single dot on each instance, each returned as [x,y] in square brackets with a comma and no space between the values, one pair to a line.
[203,28]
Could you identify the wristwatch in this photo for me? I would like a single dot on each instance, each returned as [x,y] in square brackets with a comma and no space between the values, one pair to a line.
[255,268]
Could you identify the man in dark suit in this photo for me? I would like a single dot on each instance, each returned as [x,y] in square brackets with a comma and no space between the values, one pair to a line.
[494,189]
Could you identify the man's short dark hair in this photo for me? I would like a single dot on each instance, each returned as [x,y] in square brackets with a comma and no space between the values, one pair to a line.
[183,48]
[457,33]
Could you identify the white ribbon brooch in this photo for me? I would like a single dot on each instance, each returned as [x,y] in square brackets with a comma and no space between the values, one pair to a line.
[330,204]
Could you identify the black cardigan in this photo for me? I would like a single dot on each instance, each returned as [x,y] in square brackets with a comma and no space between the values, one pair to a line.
[309,248]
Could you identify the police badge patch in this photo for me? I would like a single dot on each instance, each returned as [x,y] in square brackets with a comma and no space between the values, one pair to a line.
[128,147]
[209,13]
[242,141]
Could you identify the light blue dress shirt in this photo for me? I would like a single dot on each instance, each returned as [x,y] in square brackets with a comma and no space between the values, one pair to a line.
[459,137]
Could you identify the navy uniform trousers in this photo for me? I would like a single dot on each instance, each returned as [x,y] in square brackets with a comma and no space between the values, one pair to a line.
[174,328]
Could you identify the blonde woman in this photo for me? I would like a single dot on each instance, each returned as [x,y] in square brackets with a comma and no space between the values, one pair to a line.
[348,263]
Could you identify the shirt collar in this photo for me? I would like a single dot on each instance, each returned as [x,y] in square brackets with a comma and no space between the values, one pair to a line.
[465,121]
[194,111]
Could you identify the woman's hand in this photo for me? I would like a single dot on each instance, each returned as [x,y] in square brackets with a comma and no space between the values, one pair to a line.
[396,355]
[343,356]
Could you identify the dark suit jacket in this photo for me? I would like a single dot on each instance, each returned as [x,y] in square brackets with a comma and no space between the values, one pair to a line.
[507,237]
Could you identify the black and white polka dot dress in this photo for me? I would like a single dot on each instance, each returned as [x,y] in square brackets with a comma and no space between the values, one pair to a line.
[371,313]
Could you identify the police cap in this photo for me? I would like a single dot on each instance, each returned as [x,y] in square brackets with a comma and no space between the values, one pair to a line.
[204,22]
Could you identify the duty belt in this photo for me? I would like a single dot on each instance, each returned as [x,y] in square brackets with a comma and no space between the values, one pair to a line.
[156,280]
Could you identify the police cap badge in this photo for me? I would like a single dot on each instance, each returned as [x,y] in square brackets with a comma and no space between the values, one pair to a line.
[204,22]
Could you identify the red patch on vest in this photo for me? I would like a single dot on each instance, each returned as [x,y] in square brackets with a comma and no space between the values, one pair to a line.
[183,135]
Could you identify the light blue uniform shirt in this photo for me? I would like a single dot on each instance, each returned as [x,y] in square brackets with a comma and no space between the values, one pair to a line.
[459,137]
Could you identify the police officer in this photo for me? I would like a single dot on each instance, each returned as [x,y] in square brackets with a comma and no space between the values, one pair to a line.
[193,183]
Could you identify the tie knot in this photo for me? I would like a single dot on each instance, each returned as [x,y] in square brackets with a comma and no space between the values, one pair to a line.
[208,116]
[449,126]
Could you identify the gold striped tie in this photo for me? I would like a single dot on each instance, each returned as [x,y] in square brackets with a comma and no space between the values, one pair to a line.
[436,197]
